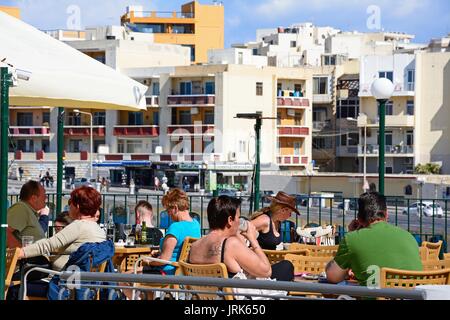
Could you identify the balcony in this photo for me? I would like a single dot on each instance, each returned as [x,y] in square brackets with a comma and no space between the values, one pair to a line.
[84,131]
[400,90]
[152,101]
[29,131]
[292,131]
[190,130]
[195,100]
[391,121]
[292,160]
[322,98]
[347,151]
[293,102]
[132,15]
[321,125]
[137,131]
[392,151]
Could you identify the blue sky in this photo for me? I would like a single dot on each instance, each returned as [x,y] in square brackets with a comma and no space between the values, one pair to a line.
[425,18]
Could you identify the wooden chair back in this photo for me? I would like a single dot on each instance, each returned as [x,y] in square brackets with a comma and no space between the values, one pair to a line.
[434,248]
[316,251]
[216,270]
[395,278]
[186,248]
[423,252]
[435,264]
[12,255]
[446,256]
[275,256]
[307,264]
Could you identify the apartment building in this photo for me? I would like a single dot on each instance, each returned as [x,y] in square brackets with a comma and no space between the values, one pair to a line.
[198,27]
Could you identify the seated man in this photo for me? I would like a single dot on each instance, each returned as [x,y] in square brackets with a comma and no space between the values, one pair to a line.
[374,243]
[144,212]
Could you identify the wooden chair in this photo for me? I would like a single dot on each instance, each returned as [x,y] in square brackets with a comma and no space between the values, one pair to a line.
[423,252]
[434,248]
[12,255]
[316,251]
[216,270]
[395,278]
[275,256]
[436,264]
[308,264]
[446,256]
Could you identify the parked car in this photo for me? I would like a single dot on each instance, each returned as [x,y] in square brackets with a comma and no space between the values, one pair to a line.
[79,182]
[428,208]
[301,199]
[353,205]
[228,192]
[265,194]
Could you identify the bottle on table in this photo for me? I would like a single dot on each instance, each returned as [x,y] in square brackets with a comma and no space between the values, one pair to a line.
[137,233]
[144,233]
[111,229]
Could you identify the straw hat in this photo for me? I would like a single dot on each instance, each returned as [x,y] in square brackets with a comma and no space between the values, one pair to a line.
[286,200]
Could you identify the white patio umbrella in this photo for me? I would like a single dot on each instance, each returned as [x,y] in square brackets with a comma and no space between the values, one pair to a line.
[61,75]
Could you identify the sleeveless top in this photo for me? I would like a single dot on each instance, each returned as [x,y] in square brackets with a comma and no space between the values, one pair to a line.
[269,241]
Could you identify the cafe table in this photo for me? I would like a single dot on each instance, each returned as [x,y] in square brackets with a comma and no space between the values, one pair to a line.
[122,252]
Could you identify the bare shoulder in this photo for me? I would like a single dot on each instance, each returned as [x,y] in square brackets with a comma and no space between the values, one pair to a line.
[262,220]
[235,243]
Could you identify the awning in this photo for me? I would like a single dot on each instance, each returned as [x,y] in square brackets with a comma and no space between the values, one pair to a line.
[186,173]
[236,174]
[125,163]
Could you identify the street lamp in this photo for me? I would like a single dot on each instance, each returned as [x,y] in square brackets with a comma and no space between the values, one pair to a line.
[382,89]
[91,157]
[258,117]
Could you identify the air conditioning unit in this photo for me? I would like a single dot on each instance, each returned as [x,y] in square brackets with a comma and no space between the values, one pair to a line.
[194,110]
[232,156]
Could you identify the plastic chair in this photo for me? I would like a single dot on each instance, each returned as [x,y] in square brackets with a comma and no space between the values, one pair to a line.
[395,278]
[216,270]
[287,231]
[12,255]
[316,251]
[308,264]
[435,264]
[275,256]
[433,249]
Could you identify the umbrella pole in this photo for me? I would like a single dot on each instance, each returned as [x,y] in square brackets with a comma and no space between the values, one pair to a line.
[59,173]
[5,78]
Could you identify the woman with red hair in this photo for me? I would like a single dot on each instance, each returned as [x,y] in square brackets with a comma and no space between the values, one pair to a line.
[84,203]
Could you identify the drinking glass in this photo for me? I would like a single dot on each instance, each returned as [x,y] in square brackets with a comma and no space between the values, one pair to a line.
[127,228]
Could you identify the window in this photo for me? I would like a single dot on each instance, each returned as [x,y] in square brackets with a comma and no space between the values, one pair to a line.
[240,57]
[410,138]
[322,143]
[74,119]
[210,87]
[293,44]
[348,108]
[386,74]
[329,60]
[135,118]
[25,119]
[155,88]
[97,143]
[388,138]
[408,190]
[185,117]
[320,114]
[46,145]
[255,51]
[353,139]
[410,107]
[321,85]
[389,170]
[209,117]
[297,148]
[298,118]
[185,88]
[298,88]
[46,118]
[411,80]
[242,146]
[99,118]
[389,107]
[259,88]
[156,118]
[192,47]
[74,145]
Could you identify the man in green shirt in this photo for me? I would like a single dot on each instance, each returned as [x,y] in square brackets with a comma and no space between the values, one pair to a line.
[376,244]
[23,216]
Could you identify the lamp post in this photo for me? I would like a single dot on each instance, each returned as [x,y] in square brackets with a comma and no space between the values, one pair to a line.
[258,117]
[91,156]
[382,89]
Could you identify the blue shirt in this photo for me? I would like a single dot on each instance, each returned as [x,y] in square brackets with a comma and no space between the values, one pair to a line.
[180,230]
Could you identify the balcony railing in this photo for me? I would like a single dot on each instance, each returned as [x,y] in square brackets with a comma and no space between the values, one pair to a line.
[20,131]
[84,131]
[159,14]
[391,121]
[397,149]
[191,130]
[141,131]
[192,100]
[292,160]
[292,102]
[293,131]
[349,151]
[400,89]
[321,125]
[322,98]
[152,101]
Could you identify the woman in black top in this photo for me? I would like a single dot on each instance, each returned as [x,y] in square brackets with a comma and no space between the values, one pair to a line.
[267,222]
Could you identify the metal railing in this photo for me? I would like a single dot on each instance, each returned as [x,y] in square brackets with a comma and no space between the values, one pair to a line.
[426,219]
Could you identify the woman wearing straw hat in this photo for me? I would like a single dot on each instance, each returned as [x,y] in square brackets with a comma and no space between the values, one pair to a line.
[268,221]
